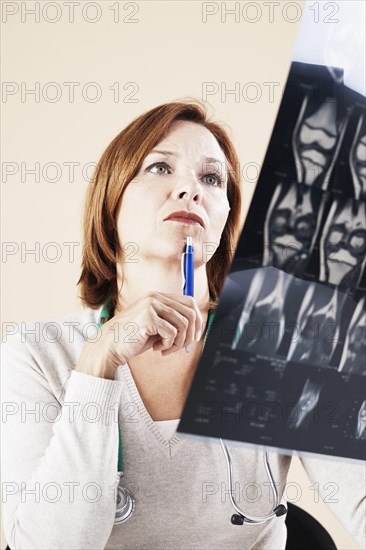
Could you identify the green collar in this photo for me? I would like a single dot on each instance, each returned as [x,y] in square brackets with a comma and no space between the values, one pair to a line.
[107,312]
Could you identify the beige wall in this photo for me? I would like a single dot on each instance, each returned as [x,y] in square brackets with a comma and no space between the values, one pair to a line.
[169,52]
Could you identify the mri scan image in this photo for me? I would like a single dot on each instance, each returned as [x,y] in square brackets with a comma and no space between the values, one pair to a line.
[291,226]
[300,414]
[261,325]
[353,359]
[316,140]
[357,159]
[291,319]
[318,326]
[343,244]
[361,422]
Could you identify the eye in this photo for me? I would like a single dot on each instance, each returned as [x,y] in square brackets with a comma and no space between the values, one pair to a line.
[214,179]
[161,166]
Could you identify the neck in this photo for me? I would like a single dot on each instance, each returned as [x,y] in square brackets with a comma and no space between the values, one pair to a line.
[148,275]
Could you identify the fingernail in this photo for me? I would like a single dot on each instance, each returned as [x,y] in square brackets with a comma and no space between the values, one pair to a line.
[198,336]
[188,348]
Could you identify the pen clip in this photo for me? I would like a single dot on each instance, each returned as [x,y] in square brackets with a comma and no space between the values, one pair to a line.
[183,270]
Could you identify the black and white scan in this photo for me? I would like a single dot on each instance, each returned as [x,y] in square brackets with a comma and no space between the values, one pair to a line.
[343,243]
[350,170]
[361,422]
[291,225]
[317,138]
[299,418]
[318,325]
[287,348]
[263,307]
[357,159]
[353,359]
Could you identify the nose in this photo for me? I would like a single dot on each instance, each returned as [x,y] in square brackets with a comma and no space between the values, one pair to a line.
[188,185]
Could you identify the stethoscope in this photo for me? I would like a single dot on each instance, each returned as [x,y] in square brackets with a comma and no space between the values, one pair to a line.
[125,504]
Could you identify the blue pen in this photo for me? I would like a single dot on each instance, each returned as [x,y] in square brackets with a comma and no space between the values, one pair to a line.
[188,271]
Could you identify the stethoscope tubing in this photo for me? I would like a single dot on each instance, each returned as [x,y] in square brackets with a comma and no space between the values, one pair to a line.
[126,504]
[250,520]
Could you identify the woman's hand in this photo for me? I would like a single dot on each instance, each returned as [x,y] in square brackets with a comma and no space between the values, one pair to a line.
[164,322]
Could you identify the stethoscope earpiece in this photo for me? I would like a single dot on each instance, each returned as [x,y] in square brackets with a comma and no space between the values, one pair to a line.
[280,510]
[236,519]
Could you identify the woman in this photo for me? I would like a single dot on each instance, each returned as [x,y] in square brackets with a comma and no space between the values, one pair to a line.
[60,460]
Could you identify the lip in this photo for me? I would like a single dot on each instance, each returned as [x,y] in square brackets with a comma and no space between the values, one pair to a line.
[184,216]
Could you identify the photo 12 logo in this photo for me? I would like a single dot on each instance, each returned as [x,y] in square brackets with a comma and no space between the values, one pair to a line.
[69,92]
[267,12]
[70,12]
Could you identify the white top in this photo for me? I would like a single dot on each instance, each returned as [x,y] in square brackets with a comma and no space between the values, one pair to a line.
[167,427]
[59,461]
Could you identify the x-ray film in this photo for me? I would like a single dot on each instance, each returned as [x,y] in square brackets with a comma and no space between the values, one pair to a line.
[284,364]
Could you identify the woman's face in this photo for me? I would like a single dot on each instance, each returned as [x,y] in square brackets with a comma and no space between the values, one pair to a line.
[179,174]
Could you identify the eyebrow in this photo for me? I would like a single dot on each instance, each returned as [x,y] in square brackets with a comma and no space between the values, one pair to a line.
[172,154]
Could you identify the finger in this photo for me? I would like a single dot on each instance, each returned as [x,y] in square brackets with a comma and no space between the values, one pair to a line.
[165,330]
[185,326]
[198,317]
[183,304]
